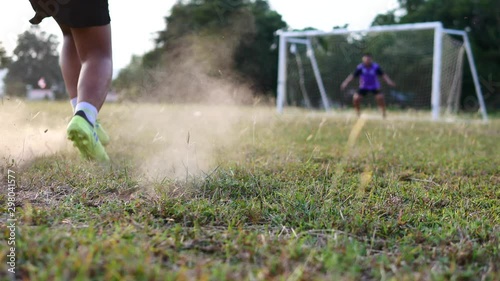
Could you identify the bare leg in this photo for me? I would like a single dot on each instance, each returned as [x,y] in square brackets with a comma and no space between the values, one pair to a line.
[94,49]
[93,52]
[381,103]
[70,63]
[356,100]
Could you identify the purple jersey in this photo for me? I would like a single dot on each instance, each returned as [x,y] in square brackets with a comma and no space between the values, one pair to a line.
[368,79]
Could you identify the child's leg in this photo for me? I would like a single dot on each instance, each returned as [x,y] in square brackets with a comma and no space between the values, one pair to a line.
[356,100]
[71,68]
[381,103]
[70,64]
[94,49]
[93,45]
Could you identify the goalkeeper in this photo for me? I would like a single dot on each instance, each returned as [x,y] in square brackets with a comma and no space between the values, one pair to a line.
[368,72]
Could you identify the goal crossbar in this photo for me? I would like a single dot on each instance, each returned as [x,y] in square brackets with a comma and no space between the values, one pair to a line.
[304,37]
[380,28]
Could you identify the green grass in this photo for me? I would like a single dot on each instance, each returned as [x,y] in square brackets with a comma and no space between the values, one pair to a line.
[201,193]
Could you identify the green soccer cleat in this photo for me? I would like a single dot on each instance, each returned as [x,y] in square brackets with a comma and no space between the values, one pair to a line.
[84,137]
[101,134]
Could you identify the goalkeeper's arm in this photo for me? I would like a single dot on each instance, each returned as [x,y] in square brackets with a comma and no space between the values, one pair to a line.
[346,82]
[388,80]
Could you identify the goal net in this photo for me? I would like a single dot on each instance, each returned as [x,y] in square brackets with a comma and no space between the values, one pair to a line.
[424,60]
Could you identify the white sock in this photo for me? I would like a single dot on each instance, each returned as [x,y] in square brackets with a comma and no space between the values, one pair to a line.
[74,101]
[89,110]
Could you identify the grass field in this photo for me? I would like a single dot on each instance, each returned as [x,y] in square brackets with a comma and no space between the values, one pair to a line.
[226,193]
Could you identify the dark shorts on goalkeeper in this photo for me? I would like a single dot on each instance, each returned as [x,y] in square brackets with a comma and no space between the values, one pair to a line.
[364,92]
[72,13]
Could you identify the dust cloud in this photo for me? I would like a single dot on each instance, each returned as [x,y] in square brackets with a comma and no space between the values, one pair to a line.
[183,141]
[207,115]
[28,131]
[198,69]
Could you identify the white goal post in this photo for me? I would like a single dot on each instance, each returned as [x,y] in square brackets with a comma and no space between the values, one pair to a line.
[289,39]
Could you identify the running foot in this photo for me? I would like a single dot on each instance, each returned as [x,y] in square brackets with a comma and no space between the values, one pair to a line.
[101,134]
[84,137]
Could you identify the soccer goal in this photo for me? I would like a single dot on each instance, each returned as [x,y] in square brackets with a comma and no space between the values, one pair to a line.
[425,60]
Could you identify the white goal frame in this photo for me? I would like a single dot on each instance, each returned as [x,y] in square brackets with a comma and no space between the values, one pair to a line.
[304,38]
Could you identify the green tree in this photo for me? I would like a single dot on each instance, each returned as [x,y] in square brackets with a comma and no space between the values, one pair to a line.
[411,6]
[254,56]
[192,17]
[221,36]
[130,79]
[34,57]
[4,60]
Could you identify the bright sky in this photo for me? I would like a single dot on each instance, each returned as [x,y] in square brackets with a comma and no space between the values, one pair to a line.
[134,25]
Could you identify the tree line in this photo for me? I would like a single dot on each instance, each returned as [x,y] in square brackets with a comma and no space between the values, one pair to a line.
[229,39]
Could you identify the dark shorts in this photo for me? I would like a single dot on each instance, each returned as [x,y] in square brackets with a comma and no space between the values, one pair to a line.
[364,92]
[72,13]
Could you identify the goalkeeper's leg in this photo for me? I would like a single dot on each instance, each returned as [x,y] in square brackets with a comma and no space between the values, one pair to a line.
[356,100]
[381,103]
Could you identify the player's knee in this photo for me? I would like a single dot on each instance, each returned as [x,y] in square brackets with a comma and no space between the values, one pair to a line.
[99,58]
